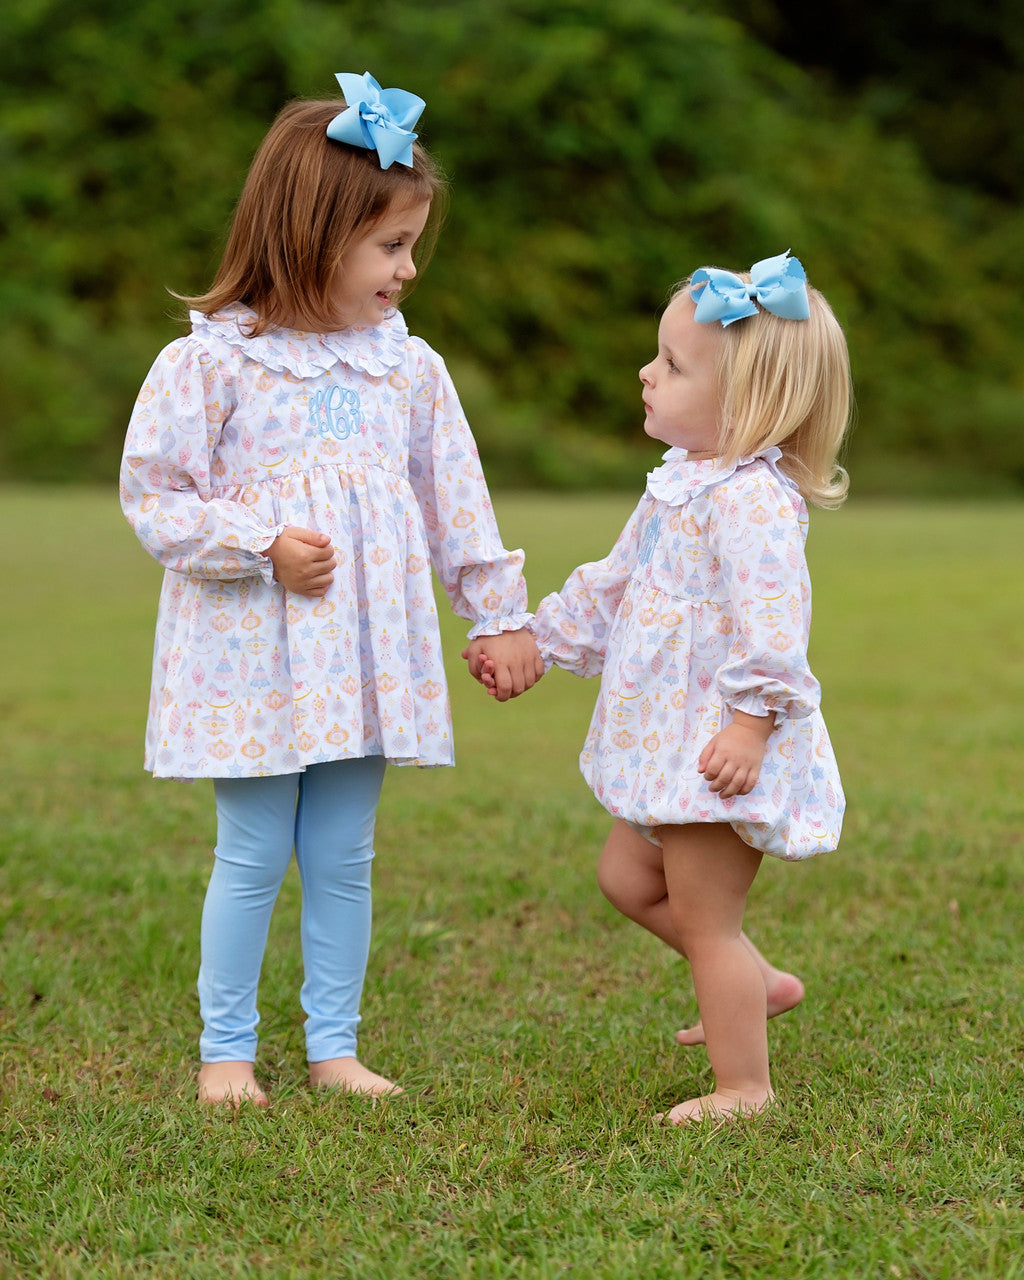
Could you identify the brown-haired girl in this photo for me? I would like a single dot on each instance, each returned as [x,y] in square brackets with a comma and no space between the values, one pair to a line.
[707,744]
[297,463]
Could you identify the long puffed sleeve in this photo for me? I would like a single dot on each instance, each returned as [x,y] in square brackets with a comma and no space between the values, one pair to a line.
[168,466]
[756,529]
[483,581]
[572,625]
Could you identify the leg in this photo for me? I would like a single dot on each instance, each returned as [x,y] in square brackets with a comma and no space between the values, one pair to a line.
[631,875]
[784,992]
[334,850]
[709,871]
[255,832]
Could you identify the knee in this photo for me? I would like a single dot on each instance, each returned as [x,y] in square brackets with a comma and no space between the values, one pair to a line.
[619,887]
[348,874]
[607,883]
[699,935]
[252,853]
[255,870]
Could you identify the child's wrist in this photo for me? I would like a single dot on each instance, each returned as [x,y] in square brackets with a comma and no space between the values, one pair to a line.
[761,725]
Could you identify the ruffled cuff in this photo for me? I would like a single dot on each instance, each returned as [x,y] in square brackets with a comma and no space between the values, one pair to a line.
[256,545]
[265,566]
[547,645]
[787,705]
[498,626]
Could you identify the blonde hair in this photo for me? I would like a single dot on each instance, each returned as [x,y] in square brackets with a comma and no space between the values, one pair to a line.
[306,201]
[787,383]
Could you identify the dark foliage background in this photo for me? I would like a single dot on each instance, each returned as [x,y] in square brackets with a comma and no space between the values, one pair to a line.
[598,152]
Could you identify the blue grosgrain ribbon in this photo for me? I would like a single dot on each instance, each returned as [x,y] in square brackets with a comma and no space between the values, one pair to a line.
[377,119]
[779,284]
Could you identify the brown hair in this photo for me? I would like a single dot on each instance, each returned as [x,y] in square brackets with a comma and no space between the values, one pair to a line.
[306,201]
[787,383]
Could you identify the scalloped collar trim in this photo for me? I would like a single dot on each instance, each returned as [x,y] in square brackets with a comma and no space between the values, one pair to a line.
[375,350]
[679,477]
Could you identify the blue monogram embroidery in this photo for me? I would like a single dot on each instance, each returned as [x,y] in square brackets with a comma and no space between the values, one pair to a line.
[652,532]
[335,412]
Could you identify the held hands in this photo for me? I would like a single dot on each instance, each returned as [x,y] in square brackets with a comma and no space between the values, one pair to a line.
[506,665]
[303,560]
[731,762]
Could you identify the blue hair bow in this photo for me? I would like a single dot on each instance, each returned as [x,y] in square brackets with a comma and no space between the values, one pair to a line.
[779,284]
[377,119]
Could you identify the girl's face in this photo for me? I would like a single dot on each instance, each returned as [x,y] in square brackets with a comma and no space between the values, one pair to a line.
[375,268]
[680,397]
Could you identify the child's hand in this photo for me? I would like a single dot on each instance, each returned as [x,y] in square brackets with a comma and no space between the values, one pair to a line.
[476,657]
[302,560]
[731,762]
[481,668]
[487,675]
[514,663]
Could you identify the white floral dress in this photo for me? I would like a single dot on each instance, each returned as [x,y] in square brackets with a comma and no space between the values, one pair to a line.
[358,434]
[703,607]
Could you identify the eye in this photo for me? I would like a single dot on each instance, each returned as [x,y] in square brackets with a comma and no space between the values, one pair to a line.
[672,366]
[393,246]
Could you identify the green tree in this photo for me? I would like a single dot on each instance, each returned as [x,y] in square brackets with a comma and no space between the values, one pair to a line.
[598,152]
[947,74]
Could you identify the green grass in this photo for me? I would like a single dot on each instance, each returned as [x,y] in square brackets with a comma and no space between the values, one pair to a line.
[531,1025]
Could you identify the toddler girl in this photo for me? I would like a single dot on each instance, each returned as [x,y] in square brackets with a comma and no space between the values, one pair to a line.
[297,464]
[707,744]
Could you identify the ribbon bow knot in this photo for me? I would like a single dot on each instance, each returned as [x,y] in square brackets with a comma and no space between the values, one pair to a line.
[376,119]
[779,284]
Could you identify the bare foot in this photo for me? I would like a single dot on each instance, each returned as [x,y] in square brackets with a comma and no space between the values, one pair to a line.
[230,1082]
[350,1074]
[785,991]
[723,1104]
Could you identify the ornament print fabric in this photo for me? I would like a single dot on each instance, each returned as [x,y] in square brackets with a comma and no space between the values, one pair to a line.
[357,434]
[702,607]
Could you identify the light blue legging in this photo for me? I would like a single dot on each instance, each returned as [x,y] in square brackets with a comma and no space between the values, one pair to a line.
[326,815]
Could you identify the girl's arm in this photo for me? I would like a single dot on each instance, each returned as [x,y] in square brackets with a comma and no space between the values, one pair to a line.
[483,581]
[166,491]
[756,531]
[572,625]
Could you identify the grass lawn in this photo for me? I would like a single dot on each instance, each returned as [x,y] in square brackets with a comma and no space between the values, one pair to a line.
[532,1026]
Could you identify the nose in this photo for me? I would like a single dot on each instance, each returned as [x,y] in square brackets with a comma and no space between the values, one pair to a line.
[406,270]
[645,375]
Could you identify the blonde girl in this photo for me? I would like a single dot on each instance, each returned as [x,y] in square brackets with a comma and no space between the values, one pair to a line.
[707,744]
[297,463]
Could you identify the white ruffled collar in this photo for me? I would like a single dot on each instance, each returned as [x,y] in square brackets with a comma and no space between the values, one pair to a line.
[679,477]
[375,350]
